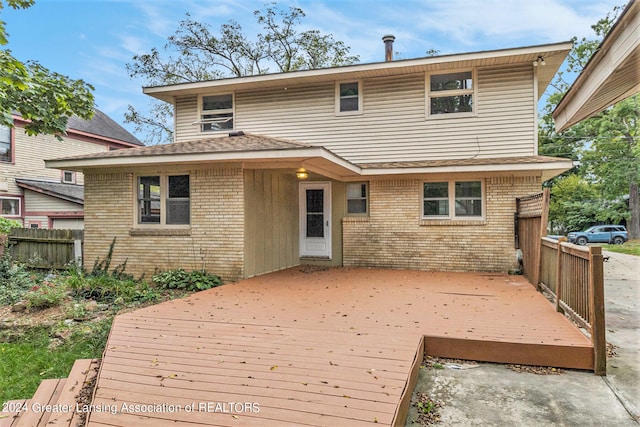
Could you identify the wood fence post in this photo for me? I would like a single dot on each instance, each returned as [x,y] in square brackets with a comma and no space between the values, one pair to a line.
[77,252]
[596,307]
[544,219]
[559,273]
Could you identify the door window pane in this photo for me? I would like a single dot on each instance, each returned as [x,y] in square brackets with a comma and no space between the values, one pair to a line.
[315,213]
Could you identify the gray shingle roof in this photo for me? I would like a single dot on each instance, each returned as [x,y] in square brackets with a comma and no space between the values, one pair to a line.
[70,192]
[462,162]
[102,125]
[226,144]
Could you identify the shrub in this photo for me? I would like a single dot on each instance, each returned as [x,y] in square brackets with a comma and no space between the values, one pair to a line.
[7,224]
[48,294]
[15,280]
[197,280]
[108,287]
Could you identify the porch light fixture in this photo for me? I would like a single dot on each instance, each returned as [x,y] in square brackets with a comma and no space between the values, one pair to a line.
[302,173]
[539,61]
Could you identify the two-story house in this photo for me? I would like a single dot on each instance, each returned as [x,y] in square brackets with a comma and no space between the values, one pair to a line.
[404,164]
[45,198]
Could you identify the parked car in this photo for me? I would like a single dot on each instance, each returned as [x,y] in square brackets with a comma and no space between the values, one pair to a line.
[615,234]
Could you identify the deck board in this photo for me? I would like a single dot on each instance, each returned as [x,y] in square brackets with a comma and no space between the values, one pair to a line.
[336,347]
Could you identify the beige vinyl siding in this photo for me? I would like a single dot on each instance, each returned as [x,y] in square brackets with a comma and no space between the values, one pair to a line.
[186,115]
[271,221]
[393,126]
[31,151]
[40,202]
[68,223]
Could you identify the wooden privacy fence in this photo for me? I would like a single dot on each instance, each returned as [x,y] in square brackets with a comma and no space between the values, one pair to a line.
[532,213]
[46,249]
[572,275]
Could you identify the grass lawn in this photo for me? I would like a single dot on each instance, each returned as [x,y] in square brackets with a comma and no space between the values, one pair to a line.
[23,364]
[632,247]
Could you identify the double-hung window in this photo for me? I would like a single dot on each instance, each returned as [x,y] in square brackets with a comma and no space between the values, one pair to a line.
[452,200]
[5,144]
[10,206]
[163,200]
[357,198]
[450,93]
[349,97]
[216,113]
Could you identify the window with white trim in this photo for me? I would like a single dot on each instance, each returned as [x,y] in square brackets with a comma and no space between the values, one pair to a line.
[216,112]
[466,197]
[10,206]
[450,93]
[357,198]
[348,97]
[163,200]
[5,144]
[68,177]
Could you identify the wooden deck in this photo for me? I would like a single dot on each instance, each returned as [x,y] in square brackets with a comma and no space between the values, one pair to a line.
[324,348]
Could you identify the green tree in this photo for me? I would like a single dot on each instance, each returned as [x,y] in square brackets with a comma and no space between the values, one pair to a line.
[195,53]
[605,147]
[574,204]
[45,98]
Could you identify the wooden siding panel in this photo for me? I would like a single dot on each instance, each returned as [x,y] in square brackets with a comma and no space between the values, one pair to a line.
[31,151]
[186,115]
[393,125]
[271,221]
[39,202]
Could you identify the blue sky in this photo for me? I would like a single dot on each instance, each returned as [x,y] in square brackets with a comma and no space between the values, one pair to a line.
[94,39]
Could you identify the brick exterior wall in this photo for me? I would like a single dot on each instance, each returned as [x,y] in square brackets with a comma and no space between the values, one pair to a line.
[214,241]
[394,236]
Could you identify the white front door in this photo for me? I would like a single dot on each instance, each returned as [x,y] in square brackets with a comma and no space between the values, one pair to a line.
[315,219]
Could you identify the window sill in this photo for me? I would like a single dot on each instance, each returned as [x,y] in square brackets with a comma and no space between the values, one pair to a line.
[168,232]
[453,222]
[447,116]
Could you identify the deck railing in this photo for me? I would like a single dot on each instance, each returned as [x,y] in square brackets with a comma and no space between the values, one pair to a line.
[573,276]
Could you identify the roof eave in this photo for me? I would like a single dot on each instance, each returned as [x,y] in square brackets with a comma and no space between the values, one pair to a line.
[548,170]
[50,193]
[595,89]
[169,92]
[301,154]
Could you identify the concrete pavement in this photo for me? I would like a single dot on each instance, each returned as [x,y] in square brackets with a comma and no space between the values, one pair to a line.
[492,395]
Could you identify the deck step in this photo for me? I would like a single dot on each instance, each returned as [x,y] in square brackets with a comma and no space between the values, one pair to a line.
[37,414]
[558,356]
[83,370]
[14,411]
[54,402]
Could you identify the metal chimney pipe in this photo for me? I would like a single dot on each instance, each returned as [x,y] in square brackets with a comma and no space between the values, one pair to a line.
[388,47]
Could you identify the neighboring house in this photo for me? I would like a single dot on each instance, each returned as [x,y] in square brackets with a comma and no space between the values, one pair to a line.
[43,198]
[611,75]
[405,164]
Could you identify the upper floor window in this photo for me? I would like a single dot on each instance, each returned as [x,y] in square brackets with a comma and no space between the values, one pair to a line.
[348,97]
[10,206]
[357,198]
[450,93]
[163,199]
[466,198]
[5,144]
[216,112]
[68,177]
